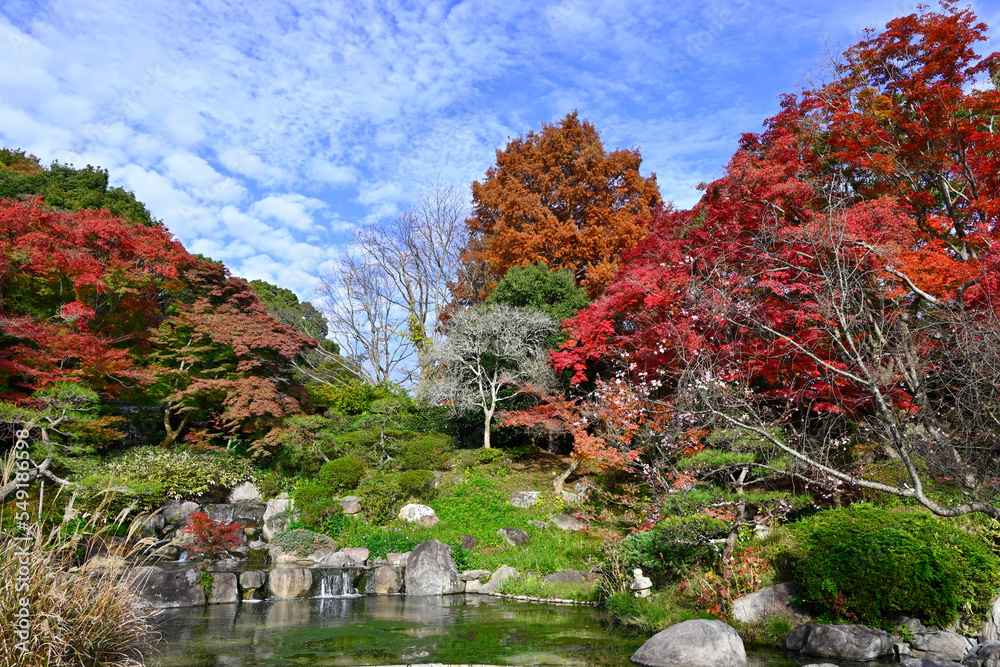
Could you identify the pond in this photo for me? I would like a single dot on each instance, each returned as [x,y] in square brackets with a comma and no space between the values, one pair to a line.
[399,630]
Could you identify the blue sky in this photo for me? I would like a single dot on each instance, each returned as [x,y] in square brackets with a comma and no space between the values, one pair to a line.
[259,133]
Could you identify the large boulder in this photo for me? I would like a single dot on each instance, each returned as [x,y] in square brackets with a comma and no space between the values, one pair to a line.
[246,492]
[850,642]
[929,662]
[414,512]
[385,581]
[697,643]
[569,522]
[290,582]
[986,654]
[770,602]
[939,644]
[991,629]
[358,554]
[163,588]
[224,588]
[430,570]
[278,514]
[504,573]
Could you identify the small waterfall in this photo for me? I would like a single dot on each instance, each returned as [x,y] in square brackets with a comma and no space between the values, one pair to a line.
[337,582]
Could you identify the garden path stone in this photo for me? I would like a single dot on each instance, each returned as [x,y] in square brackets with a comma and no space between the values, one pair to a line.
[696,643]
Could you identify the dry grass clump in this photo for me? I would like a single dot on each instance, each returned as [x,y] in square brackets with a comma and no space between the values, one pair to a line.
[73,615]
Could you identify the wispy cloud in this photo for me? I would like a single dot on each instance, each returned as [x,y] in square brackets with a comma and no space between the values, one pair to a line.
[261,133]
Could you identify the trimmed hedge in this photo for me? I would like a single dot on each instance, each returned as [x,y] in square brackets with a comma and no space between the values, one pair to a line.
[869,564]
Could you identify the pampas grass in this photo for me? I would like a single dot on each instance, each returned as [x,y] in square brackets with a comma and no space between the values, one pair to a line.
[78,615]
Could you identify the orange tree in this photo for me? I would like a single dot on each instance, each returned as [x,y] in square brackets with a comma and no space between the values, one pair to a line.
[559,198]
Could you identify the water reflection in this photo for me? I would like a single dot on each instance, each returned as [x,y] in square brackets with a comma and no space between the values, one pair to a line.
[395,629]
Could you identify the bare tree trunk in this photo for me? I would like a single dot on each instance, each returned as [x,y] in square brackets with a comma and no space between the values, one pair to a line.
[486,430]
[173,433]
[557,485]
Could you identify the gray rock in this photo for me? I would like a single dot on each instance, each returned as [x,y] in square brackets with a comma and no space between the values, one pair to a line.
[277,515]
[697,643]
[524,498]
[991,628]
[820,664]
[281,555]
[427,521]
[563,577]
[929,662]
[569,522]
[850,642]
[430,570]
[397,560]
[387,580]
[350,506]
[540,525]
[473,586]
[474,575]
[154,524]
[224,588]
[940,644]
[414,511]
[768,603]
[339,559]
[502,574]
[986,654]
[515,537]
[163,588]
[290,582]
[177,512]
[246,492]
[468,542]
[359,554]
[253,578]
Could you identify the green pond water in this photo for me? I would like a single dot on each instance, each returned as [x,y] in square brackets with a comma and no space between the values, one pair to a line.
[400,630]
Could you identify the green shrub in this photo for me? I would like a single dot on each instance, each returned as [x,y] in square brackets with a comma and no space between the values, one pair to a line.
[343,473]
[487,456]
[427,452]
[417,484]
[677,542]
[352,398]
[380,498]
[378,541]
[300,540]
[870,564]
[315,502]
[151,475]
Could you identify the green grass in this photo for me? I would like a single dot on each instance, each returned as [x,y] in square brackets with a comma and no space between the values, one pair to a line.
[647,616]
[533,586]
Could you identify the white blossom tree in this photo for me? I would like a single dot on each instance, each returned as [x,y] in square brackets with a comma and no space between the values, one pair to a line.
[489,353]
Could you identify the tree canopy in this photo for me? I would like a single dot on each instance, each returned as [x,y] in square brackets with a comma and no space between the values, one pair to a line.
[559,198]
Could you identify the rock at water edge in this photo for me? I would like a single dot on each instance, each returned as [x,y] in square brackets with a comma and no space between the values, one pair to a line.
[697,643]
[290,582]
[163,588]
[850,642]
[224,588]
[386,581]
[767,603]
[504,573]
[430,570]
